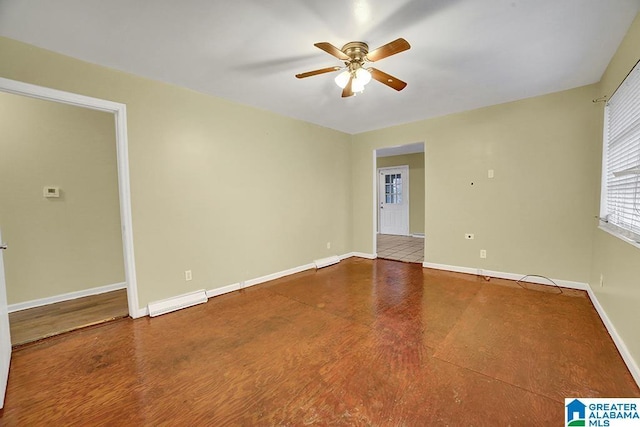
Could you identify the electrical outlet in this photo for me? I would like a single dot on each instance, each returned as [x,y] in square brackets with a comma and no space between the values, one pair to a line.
[469,236]
[187,275]
[483,253]
[601,280]
[490,173]
[328,245]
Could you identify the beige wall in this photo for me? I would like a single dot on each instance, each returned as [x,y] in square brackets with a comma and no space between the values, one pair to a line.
[227,191]
[415,162]
[534,217]
[619,262]
[73,242]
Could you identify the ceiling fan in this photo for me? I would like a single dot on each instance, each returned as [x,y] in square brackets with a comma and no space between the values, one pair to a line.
[355,76]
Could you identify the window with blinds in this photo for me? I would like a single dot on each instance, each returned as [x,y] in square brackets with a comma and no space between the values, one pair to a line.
[620,205]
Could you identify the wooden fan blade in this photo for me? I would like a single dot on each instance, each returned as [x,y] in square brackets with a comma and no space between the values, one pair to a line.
[396,46]
[387,79]
[316,72]
[347,92]
[332,50]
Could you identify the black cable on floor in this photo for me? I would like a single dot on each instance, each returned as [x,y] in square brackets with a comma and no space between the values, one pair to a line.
[537,275]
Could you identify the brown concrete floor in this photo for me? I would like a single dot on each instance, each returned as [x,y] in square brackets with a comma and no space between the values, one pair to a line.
[359,343]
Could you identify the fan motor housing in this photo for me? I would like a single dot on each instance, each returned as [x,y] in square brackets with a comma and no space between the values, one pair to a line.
[357,51]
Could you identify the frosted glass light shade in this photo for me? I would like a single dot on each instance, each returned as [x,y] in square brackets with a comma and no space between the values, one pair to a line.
[342,79]
[363,76]
[356,85]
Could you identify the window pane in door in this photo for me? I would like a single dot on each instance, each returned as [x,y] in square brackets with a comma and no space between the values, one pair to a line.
[393,188]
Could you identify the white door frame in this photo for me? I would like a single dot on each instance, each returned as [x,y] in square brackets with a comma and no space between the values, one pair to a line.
[120,113]
[374,181]
[5,334]
[374,192]
[405,194]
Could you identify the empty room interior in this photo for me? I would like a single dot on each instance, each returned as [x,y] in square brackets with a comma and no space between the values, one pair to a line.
[318,213]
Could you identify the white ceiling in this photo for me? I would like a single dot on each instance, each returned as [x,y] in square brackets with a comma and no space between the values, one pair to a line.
[465,53]
[417,147]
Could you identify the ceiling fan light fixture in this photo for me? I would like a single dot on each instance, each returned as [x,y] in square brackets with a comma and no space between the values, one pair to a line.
[342,79]
[357,86]
[363,76]
[354,55]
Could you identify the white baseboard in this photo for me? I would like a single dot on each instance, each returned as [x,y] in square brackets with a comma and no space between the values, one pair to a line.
[617,339]
[158,308]
[65,297]
[418,235]
[358,255]
[274,276]
[224,290]
[326,262]
[509,276]
[621,346]
[252,282]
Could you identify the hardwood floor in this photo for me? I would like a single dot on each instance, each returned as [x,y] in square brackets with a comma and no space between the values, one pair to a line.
[41,322]
[359,343]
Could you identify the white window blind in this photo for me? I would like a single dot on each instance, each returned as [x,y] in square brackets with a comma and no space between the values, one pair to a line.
[621,165]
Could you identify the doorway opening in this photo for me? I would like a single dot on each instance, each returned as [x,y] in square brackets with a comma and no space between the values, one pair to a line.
[399,194]
[95,299]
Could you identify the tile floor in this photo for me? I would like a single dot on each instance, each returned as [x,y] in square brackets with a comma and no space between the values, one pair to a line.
[401,248]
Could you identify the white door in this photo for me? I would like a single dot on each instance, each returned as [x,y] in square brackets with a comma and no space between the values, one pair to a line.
[5,337]
[393,200]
